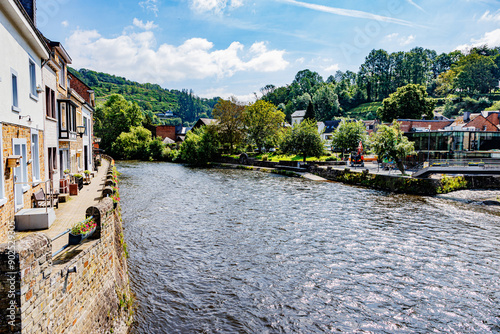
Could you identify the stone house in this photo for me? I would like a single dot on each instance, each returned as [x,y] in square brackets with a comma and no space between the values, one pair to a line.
[298,116]
[22,119]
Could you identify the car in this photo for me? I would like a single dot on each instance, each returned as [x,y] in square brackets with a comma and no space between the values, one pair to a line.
[356,160]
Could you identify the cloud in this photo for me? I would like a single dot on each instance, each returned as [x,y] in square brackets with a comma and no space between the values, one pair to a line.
[225,93]
[488,17]
[492,39]
[332,68]
[65,23]
[215,6]
[137,57]
[415,5]
[150,5]
[348,12]
[149,25]
[401,40]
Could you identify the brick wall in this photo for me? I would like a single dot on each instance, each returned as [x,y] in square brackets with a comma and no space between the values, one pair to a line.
[81,88]
[165,131]
[50,299]
[7,210]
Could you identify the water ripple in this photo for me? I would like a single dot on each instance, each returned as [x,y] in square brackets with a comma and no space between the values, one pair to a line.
[224,251]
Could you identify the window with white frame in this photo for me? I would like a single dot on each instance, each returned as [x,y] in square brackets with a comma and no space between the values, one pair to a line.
[15,97]
[35,156]
[32,68]
[62,75]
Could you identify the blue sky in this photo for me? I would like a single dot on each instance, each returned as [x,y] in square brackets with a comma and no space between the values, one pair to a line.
[235,47]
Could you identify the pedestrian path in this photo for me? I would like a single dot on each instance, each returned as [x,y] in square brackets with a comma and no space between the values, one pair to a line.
[73,211]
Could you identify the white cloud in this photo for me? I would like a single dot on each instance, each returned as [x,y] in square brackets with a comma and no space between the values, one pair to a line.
[401,40]
[225,93]
[348,12]
[149,25]
[137,57]
[333,68]
[487,16]
[492,39]
[215,6]
[65,23]
[407,40]
[150,5]
[415,5]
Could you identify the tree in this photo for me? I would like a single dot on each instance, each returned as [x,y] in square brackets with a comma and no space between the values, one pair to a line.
[200,146]
[138,144]
[326,103]
[117,115]
[476,74]
[306,80]
[263,121]
[303,139]
[390,143]
[348,135]
[231,121]
[310,114]
[409,101]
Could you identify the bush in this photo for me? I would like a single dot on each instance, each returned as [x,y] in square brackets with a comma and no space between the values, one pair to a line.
[265,157]
[449,184]
[200,146]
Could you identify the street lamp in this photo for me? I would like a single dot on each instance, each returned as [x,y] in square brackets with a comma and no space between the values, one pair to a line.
[80,130]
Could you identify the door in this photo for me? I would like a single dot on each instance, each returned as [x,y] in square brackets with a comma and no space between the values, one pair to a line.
[20,174]
[86,156]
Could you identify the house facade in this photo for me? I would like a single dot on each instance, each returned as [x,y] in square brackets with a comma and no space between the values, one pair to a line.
[22,121]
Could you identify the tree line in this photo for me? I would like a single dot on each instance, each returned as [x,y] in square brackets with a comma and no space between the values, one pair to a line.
[472,74]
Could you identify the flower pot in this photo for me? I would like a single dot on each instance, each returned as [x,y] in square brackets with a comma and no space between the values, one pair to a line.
[76,239]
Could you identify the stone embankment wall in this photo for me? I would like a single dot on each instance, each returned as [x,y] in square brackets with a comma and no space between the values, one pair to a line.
[86,290]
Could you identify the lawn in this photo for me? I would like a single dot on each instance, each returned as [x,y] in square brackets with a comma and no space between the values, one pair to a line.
[365,111]
[282,157]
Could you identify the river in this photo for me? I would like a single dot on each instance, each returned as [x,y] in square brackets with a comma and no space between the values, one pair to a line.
[235,251]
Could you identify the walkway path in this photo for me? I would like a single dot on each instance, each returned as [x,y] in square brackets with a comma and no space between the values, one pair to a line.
[73,210]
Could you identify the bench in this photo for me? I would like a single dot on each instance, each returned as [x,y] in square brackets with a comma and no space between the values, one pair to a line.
[40,199]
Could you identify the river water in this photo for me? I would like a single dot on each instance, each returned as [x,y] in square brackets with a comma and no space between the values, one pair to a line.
[232,251]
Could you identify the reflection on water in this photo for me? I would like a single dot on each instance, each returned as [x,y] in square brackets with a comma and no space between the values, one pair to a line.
[228,251]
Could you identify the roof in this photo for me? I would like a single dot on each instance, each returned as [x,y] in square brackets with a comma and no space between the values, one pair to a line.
[494,118]
[168,141]
[408,125]
[299,113]
[482,124]
[204,121]
[330,126]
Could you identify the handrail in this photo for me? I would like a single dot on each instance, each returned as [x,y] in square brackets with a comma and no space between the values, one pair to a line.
[51,194]
[57,237]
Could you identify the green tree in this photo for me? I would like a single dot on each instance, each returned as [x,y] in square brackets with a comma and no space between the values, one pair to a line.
[326,103]
[230,121]
[390,143]
[262,122]
[303,139]
[115,116]
[134,144]
[348,135]
[200,146]
[310,113]
[409,101]
[476,74]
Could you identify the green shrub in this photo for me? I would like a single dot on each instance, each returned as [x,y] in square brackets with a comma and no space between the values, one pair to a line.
[265,157]
[449,184]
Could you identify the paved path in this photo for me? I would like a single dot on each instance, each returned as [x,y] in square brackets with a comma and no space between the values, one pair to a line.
[74,210]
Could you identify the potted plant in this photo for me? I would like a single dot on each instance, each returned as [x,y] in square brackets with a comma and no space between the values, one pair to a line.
[82,230]
[116,199]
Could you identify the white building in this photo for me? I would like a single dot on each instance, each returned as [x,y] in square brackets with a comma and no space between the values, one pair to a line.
[22,117]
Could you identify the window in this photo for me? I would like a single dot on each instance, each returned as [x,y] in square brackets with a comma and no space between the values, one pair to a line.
[33,91]
[67,120]
[50,102]
[62,75]
[35,157]
[52,160]
[15,99]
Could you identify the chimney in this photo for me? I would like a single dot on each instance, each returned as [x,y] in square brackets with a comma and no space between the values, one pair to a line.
[466,116]
[30,8]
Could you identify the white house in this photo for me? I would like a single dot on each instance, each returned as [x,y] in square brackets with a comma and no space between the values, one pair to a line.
[22,116]
[298,116]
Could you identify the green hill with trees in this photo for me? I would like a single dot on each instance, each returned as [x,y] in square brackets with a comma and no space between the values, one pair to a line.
[152,98]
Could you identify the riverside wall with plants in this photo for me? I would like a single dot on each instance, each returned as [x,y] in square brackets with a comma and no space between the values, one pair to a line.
[84,290]
[392,183]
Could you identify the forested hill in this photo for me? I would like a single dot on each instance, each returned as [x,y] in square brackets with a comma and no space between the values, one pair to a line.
[152,98]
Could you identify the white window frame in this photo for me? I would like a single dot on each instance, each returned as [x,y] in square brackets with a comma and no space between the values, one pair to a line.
[3,199]
[32,75]
[62,74]
[15,90]
[35,157]
[23,162]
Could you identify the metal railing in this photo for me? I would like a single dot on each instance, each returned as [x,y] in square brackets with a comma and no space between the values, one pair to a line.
[57,237]
[49,194]
[484,163]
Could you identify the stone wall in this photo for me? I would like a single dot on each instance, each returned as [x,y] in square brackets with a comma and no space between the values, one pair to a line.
[84,291]
[7,210]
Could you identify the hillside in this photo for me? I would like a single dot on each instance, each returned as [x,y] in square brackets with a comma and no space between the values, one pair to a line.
[152,98]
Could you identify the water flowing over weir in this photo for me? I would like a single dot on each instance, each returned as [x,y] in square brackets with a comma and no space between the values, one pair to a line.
[231,251]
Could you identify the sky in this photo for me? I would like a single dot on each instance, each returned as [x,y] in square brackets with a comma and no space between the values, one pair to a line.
[235,47]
